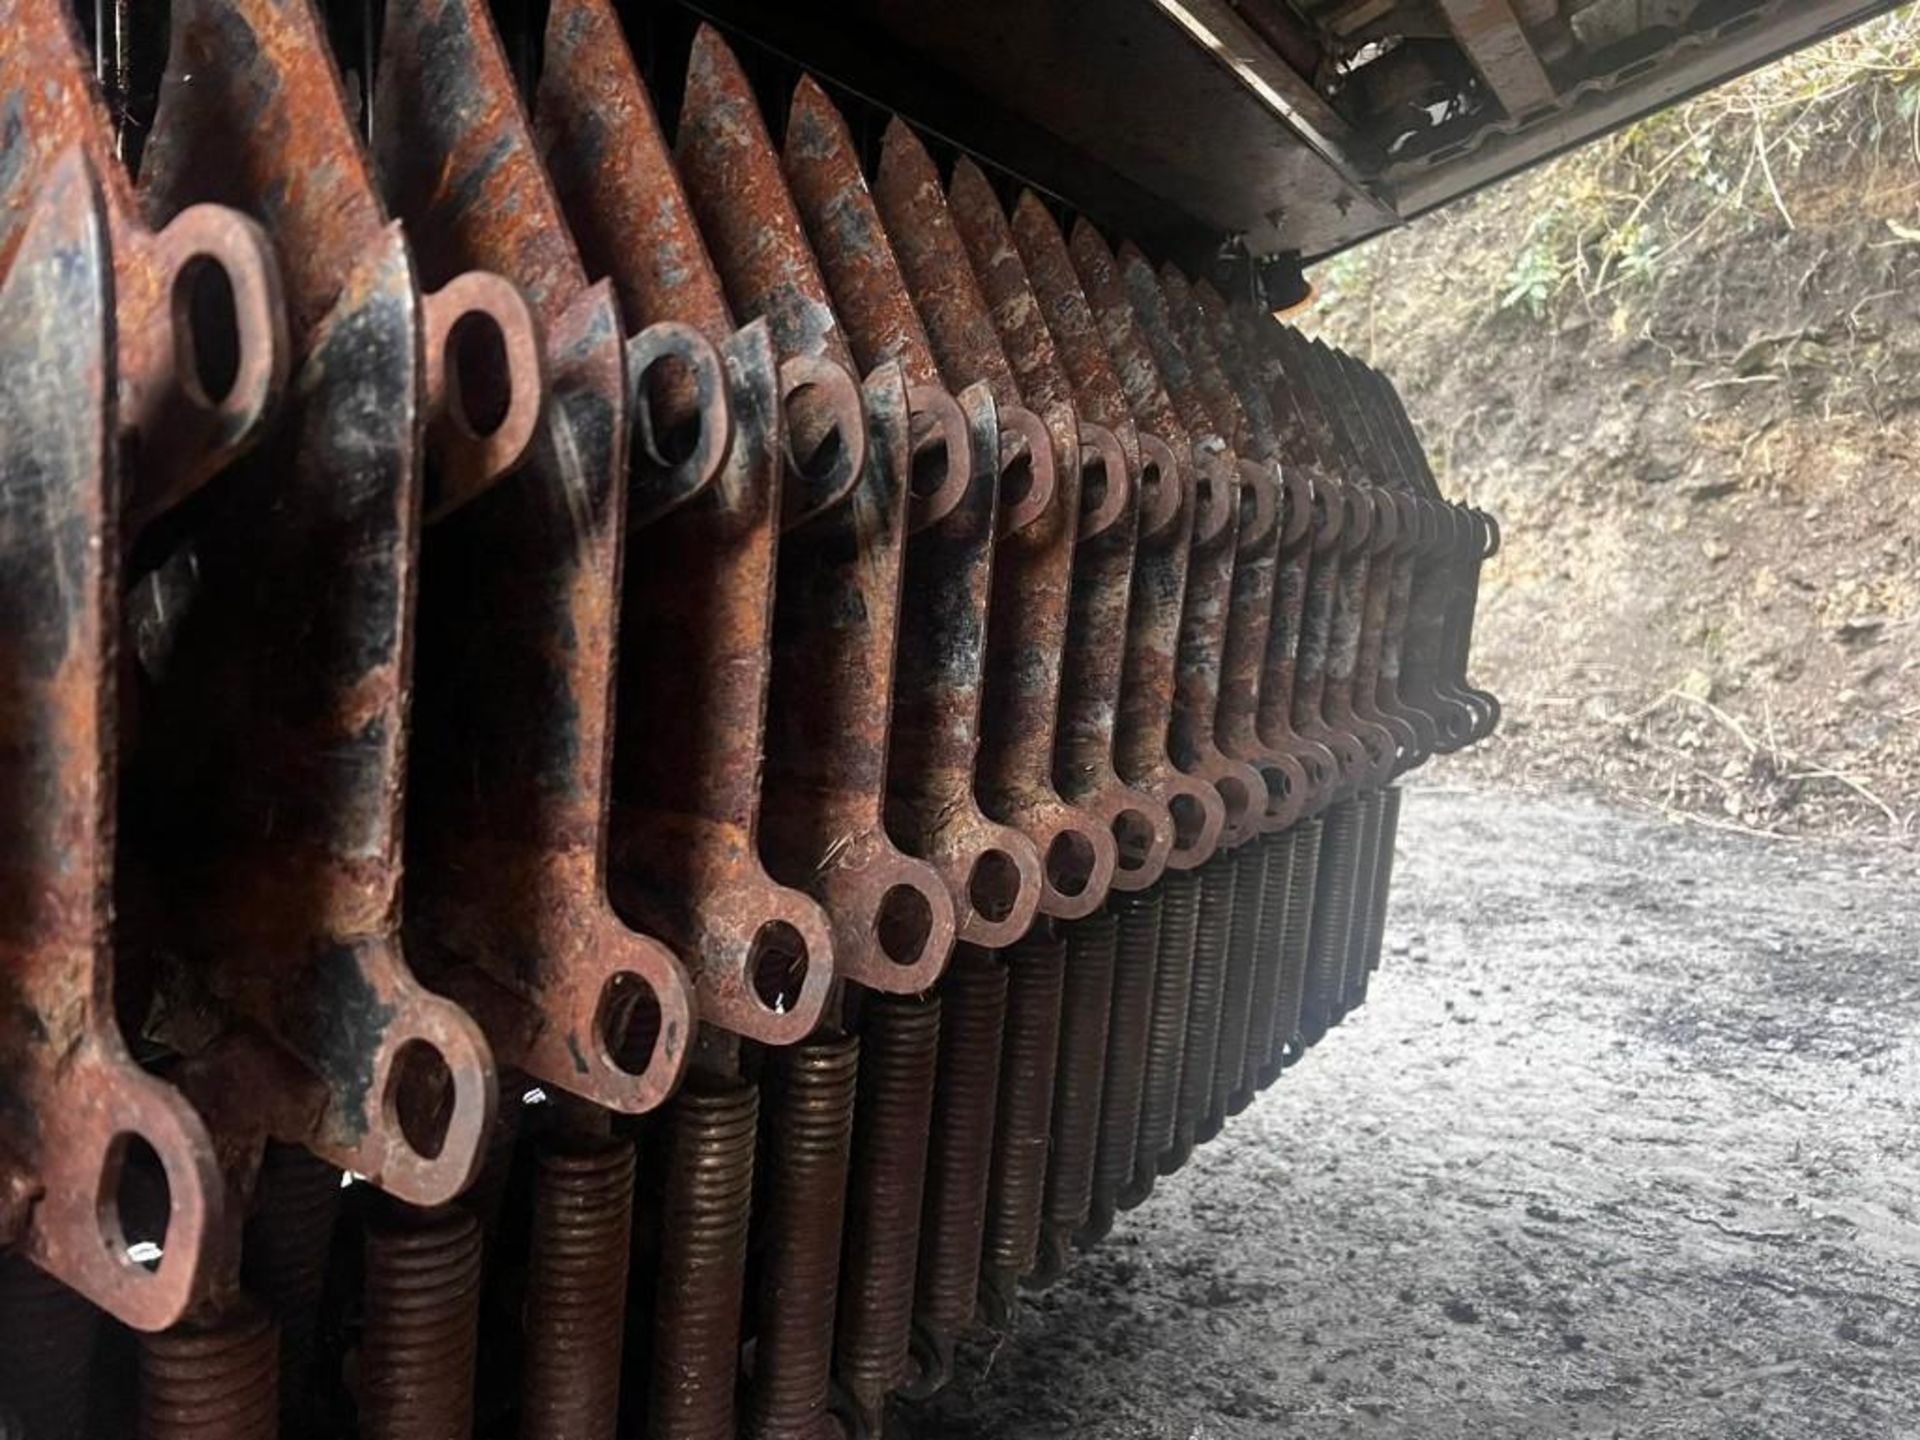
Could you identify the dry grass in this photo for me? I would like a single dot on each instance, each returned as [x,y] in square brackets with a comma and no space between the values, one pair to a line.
[1605,221]
[1684,367]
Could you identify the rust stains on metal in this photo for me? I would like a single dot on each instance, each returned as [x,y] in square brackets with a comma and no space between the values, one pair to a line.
[75,1099]
[1101,559]
[688,783]
[1250,607]
[697,582]
[959,327]
[1104,644]
[1143,725]
[192,399]
[733,181]
[992,871]
[836,619]
[1239,341]
[624,202]
[751,676]
[519,622]
[1204,619]
[869,293]
[253,116]
[1014,778]
[1033,588]
[268,790]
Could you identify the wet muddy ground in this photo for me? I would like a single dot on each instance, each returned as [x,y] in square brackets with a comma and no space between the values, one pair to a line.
[1625,1143]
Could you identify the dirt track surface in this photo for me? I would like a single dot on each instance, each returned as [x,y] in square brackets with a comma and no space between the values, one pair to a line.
[1625,1143]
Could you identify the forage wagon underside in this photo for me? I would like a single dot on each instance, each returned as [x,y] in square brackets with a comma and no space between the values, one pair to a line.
[684,687]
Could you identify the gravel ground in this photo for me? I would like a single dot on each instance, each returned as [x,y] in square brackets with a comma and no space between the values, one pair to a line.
[1623,1144]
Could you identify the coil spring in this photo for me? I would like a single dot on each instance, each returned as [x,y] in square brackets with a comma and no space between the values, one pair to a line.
[1236,994]
[1086,1005]
[1269,955]
[284,1264]
[1135,961]
[973,1016]
[212,1380]
[703,1260]
[1036,974]
[422,1305]
[1296,945]
[1353,985]
[1332,920]
[1383,874]
[809,1141]
[577,1287]
[1212,931]
[1383,891]
[1167,1031]
[899,1048]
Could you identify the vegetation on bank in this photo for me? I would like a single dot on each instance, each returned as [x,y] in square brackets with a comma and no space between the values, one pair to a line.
[1606,221]
[1683,366]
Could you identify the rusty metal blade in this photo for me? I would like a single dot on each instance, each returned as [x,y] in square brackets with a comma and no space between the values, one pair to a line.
[76,1103]
[732,177]
[1033,596]
[1144,732]
[698,580]
[1256,558]
[836,608]
[992,870]
[1204,621]
[196,388]
[519,618]
[275,650]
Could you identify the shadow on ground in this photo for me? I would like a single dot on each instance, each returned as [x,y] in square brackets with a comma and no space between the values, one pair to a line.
[1625,1143]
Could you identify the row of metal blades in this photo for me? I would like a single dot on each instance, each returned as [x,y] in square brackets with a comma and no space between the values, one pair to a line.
[753,748]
